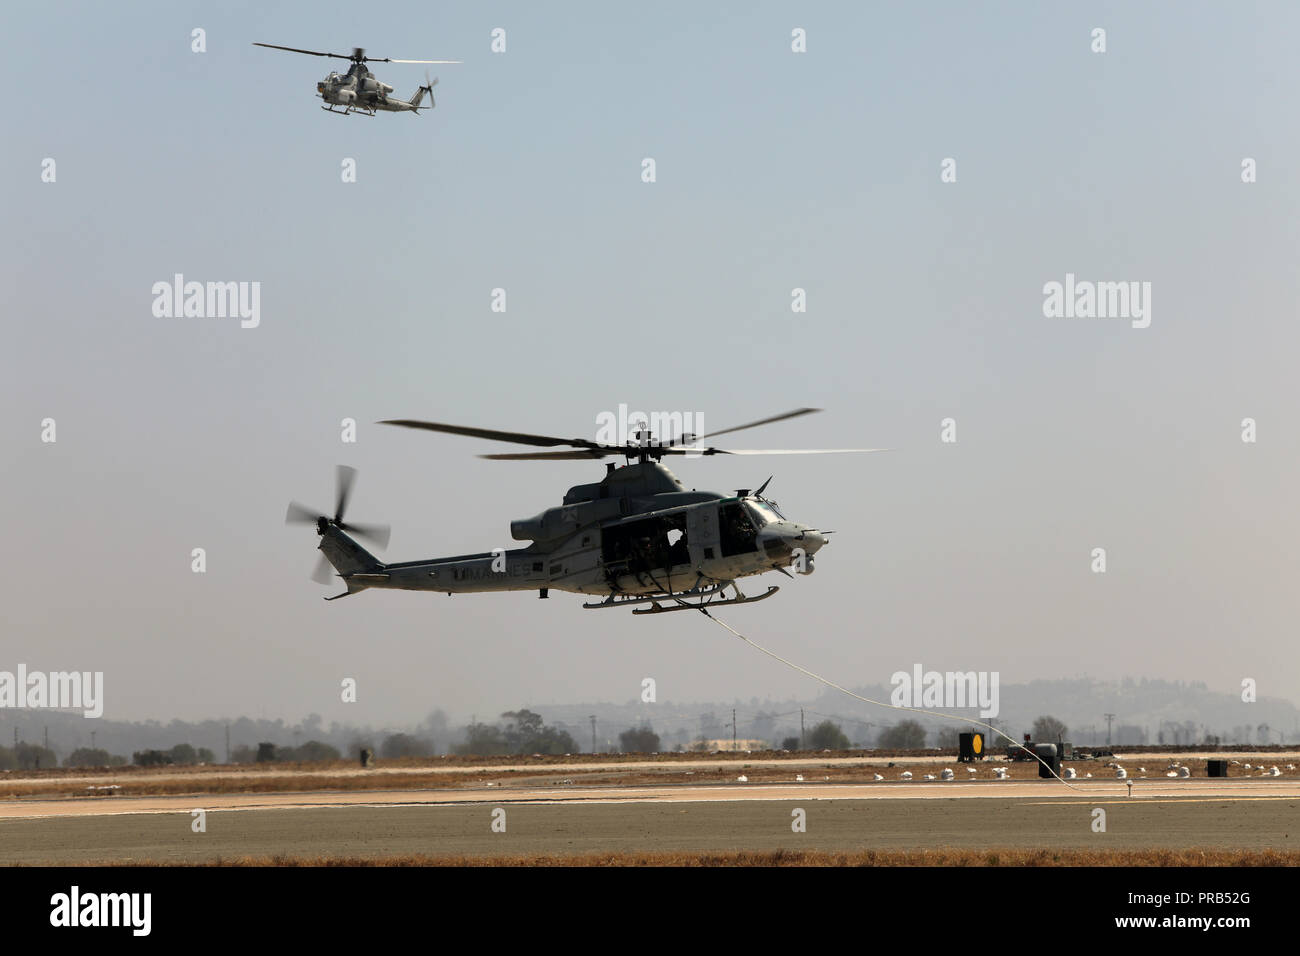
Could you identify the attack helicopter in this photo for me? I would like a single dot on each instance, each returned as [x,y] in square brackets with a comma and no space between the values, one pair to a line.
[360,91]
[636,538]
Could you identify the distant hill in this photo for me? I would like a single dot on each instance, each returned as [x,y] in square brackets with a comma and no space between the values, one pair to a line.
[1146,712]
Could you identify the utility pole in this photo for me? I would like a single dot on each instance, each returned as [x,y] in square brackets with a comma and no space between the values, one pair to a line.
[92,740]
[227,743]
[803,734]
[1109,718]
[47,737]
[733,730]
[593,732]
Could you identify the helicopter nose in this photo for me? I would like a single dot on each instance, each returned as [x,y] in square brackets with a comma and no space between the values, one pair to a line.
[789,540]
[813,541]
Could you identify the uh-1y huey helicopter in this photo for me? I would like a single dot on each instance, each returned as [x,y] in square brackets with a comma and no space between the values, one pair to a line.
[360,91]
[636,537]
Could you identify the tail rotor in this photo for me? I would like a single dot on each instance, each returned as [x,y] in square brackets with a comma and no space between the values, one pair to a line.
[302,514]
[428,88]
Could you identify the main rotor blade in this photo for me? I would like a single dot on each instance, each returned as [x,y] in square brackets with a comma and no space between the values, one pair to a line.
[591,449]
[653,450]
[378,533]
[519,438]
[771,451]
[301,514]
[294,49]
[346,476]
[323,573]
[389,60]
[765,421]
[551,455]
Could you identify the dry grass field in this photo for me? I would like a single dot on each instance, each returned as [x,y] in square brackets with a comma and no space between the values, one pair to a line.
[876,858]
[432,773]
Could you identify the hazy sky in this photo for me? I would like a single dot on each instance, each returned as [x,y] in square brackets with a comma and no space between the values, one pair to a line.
[775,170]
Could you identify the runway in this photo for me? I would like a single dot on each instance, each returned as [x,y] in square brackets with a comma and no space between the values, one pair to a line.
[1175,814]
[1094,790]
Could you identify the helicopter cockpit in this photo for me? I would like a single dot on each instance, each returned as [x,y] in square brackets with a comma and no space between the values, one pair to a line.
[738,528]
[765,510]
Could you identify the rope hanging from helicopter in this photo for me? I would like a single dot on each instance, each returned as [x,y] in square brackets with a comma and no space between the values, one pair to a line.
[867,700]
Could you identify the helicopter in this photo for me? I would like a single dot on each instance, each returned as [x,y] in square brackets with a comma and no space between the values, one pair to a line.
[636,538]
[360,91]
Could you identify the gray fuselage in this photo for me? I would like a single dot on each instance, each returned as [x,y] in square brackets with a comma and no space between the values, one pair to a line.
[636,532]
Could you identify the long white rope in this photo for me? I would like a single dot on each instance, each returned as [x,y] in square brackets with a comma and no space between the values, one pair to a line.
[868,700]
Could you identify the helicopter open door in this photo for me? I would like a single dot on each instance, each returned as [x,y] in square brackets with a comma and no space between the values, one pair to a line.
[702,533]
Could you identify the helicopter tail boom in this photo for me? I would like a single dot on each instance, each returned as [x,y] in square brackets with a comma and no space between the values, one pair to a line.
[346,555]
[353,563]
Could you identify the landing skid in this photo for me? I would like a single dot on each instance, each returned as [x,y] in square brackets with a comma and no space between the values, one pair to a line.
[330,109]
[657,608]
[615,600]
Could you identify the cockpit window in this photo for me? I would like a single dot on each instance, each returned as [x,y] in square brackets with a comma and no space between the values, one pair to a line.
[737,530]
[764,511]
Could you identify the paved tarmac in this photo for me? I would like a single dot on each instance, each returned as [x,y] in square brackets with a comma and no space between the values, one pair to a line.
[1247,814]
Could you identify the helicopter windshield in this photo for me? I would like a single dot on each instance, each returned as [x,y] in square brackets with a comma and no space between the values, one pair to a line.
[764,511]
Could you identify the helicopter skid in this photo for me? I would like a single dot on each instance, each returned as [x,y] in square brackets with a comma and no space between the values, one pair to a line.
[657,608]
[616,601]
[330,109]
